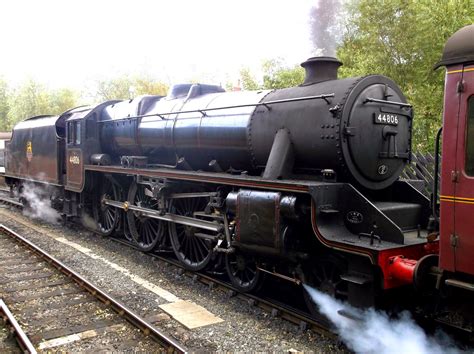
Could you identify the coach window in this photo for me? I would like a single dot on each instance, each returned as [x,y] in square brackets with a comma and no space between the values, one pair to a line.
[469,165]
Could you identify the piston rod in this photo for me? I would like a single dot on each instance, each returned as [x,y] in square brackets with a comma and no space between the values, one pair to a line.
[178,219]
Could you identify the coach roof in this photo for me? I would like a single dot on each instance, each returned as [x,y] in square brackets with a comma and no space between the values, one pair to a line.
[459,48]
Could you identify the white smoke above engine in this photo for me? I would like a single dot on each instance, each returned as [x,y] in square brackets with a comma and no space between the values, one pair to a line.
[373,331]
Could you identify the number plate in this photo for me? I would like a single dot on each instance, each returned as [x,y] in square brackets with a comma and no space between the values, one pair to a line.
[386,118]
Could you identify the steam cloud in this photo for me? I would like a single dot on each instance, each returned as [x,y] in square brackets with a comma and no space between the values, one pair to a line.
[39,204]
[88,222]
[375,332]
[326,26]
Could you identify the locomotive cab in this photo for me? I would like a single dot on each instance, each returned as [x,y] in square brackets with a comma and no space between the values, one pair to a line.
[74,156]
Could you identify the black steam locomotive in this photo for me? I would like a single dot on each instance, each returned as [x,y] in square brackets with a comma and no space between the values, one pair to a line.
[302,183]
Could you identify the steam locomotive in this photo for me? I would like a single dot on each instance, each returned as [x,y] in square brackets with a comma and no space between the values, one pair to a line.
[299,183]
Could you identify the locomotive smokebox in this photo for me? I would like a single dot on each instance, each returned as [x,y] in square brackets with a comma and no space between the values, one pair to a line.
[320,69]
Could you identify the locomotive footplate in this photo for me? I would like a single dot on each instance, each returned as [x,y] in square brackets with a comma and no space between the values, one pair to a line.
[340,213]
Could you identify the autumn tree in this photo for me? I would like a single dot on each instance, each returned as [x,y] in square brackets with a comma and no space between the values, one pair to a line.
[126,87]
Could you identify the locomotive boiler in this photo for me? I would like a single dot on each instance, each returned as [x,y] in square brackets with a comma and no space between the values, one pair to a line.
[300,183]
[357,128]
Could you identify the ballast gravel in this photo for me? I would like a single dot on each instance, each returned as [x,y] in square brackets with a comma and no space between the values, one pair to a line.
[245,327]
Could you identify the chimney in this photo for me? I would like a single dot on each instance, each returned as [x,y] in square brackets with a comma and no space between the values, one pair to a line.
[320,69]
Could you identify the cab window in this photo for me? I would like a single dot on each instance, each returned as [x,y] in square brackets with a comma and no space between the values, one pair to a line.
[70,132]
[469,163]
[74,133]
[77,135]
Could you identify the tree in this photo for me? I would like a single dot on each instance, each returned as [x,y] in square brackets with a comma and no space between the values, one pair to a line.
[29,100]
[61,100]
[4,106]
[126,87]
[147,86]
[248,81]
[403,39]
[32,99]
[276,75]
[114,89]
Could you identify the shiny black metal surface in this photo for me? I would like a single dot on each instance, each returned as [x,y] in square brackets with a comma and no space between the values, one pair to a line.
[36,150]
[237,129]
[329,124]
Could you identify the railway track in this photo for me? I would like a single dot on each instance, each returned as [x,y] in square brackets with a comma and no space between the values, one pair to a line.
[58,309]
[6,199]
[273,307]
[13,327]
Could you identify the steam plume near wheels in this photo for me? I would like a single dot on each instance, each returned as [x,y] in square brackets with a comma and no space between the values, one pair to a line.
[373,331]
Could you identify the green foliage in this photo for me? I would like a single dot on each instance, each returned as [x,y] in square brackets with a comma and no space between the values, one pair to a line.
[4,106]
[33,98]
[277,75]
[403,39]
[61,100]
[115,89]
[248,81]
[126,87]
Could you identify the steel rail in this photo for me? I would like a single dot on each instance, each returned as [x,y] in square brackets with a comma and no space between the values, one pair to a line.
[295,316]
[170,344]
[5,197]
[276,309]
[20,336]
[11,201]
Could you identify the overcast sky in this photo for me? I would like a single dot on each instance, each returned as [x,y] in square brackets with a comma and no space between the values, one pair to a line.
[70,42]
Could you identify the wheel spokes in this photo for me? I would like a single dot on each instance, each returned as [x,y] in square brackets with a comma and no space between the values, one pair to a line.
[191,250]
[106,217]
[243,272]
[146,232]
